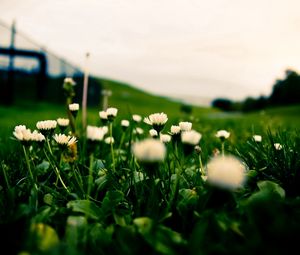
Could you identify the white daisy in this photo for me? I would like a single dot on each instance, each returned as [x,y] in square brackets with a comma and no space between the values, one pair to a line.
[63,122]
[136,117]
[109,140]
[111,112]
[37,137]
[74,107]
[20,128]
[153,133]
[96,133]
[191,137]
[158,119]
[278,146]
[22,134]
[257,138]
[222,134]
[65,140]
[138,131]
[70,81]
[175,130]
[46,124]
[125,123]
[226,172]
[185,126]
[103,115]
[149,150]
[165,138]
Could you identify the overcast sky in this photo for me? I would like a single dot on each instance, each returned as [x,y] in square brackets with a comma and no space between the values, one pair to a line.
[192,48]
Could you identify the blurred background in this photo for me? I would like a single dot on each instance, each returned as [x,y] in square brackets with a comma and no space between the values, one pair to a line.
[233,55]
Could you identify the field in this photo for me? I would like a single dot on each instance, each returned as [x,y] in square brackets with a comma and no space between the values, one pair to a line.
[196,194]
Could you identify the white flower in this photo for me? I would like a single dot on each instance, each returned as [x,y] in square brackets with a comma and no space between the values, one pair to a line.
[153,133]
[103,115]
[198,149]
[185,126]
[175,130]
[223,134]
[63,139]
[138,131]
[136,117]
[149,150]
[63,122]
[96,133]
[46,124]
[111,112]
[257,138]
[22,134]
[165,138]
[158,119]
[73,107]
[37,137]
[191,137]
[226,172]
[125,123]
[105,129]
[20,128]
[72,140]
[278,146]
[69,80]
[109,140]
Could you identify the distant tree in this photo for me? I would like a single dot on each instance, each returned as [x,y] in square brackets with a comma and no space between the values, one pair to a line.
[223,104]
[254,104]
[286,91]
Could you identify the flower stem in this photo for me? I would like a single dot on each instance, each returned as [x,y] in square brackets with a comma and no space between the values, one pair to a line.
[29,169]
[5,176]
[223,149]
[57,172]
[90,179]
[120,146]
[49,147]
[201,165]
[178,174]
[112,148]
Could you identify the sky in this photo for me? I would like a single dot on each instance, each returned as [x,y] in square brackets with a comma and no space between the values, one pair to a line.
[191,49]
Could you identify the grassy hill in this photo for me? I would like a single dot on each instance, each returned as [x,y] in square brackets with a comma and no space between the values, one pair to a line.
[126,98]
[133,100]
[130,100]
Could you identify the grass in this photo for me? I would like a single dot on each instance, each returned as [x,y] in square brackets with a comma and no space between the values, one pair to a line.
[204,119]
[106,200]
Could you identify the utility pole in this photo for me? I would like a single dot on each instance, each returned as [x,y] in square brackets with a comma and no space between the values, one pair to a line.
[85,90]
[9,90]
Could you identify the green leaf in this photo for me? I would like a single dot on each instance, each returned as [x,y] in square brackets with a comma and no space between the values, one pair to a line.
[272,188]
[188,199]
[101,182]
[100,236]
[111,200]
[87,207]
[43,167]
[252,173]
[138,176]
[98,165]
[162,239]
[43,214]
